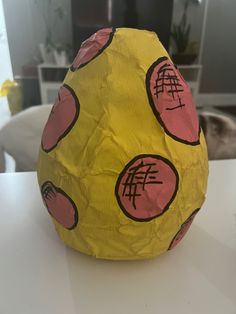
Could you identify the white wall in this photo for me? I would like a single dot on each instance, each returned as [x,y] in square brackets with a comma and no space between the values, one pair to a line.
[26,29]
[219,53]
[5,63]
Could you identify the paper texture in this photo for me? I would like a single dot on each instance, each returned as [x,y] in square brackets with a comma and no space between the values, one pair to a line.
[123,163]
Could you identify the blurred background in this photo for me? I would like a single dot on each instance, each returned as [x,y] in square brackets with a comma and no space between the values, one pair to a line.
[40,38]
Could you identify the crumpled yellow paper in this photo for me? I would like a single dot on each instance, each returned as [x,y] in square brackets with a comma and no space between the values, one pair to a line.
[123,163]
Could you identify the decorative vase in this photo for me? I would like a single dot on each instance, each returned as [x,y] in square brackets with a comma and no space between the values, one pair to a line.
[60,57]
[46,53]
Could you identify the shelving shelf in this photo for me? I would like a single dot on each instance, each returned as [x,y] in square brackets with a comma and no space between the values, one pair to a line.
[51,77]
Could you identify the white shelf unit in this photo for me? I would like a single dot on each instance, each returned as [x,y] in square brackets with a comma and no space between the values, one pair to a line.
[51,77]
[192,74]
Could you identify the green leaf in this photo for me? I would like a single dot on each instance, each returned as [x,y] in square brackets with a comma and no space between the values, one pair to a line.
[60,12]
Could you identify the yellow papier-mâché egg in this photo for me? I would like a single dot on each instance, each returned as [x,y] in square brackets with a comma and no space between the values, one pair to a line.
[123,162]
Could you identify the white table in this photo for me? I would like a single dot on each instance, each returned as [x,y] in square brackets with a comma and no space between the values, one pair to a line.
[39,275]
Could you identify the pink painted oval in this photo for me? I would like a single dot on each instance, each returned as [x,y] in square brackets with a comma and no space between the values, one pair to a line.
[92,47]
[146,187]
[62,118]
[60,205]
[172,102]
[183,230]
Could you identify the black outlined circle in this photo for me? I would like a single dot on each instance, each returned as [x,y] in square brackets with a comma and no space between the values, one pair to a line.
[77,107]
[123,173]
[188,220]
[153,106]
[111,35]
[49,184]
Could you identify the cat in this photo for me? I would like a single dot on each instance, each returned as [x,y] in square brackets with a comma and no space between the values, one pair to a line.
[220,133]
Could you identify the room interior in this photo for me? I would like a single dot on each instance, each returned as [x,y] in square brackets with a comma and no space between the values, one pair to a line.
[43,37]
[107,225]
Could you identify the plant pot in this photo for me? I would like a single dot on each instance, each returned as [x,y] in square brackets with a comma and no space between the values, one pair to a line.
[184,58]
[46,54]
[60,57]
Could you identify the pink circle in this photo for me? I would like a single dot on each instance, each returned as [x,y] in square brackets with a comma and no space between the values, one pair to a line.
[60,205]
[172,102]
[62,118]
[183,230]
[92,47]
[146,187]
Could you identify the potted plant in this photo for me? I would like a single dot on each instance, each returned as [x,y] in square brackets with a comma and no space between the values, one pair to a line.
[186,51]
[52,13]
[60,55]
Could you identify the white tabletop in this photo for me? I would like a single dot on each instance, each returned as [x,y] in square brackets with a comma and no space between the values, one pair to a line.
[39,275]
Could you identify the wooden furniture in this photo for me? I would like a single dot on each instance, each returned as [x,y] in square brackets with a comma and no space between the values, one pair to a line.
[40,275]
